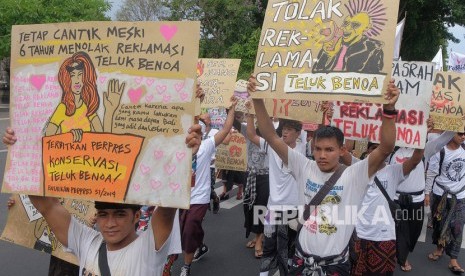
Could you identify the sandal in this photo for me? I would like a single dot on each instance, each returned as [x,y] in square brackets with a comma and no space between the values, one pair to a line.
[456,269]
[406,267]
[434,257]
[258,253]
[250,244]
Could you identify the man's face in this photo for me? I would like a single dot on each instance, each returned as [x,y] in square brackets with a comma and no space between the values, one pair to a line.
[354,27]
[327,153]
[459,138]
[290,135]
[117,226]
[206,119]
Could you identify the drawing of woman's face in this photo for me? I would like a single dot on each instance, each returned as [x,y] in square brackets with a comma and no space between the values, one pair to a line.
[76,78]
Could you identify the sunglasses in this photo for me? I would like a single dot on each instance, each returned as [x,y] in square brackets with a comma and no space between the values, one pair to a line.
[461,133]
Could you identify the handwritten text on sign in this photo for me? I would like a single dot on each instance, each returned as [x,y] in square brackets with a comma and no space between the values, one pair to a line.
[447,103]
[232,156]
[326,50]
[217,77]
[85,170]
[363,121]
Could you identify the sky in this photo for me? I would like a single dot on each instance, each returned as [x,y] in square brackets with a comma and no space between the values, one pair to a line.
[458,31]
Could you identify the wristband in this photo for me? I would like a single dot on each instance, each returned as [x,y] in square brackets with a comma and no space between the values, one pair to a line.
[390,112]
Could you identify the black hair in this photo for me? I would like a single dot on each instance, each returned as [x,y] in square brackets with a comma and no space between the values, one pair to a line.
[329,132]
[99,205]
[291,124]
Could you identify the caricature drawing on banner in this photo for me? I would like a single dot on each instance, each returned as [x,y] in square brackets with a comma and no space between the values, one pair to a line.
[326,50]
[101,113]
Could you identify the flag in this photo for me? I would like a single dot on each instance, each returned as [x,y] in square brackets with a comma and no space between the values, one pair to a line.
[457,62]
[397,43]
[438,60]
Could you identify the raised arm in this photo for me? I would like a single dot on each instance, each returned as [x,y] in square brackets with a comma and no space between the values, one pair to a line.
[221,135]
[388,131]
[411,163]
[266,126]
[56,216]
[251,132]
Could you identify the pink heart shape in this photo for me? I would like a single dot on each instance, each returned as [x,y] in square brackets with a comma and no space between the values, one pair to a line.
[170,168]
[37,81]
[168,31]
[174,186]
[149,82]
[139,80]
[166,98]
[184,96]
[155,184]
[149,98]
[144,169]
[136,187]
[161,89]
[102,80]
[135,95]
[158,154]
[178,86]
[180,155]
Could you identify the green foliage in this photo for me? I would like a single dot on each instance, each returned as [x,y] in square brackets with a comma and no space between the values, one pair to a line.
[427,25]
[20,12]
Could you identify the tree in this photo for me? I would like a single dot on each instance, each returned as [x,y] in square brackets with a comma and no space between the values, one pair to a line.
[426,26]
[226,26]
[141,10]
[18,12]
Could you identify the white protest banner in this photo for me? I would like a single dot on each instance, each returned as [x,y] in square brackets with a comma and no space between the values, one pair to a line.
[326,50]
[361,121]
[457,62]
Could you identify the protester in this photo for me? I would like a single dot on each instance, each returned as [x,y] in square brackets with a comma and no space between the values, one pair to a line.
[321,246]
[192,233]
[445,179]
[127,253]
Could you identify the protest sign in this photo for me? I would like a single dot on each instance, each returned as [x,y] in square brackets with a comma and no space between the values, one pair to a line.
[299,110]
[217,117]
[331,50]
[360,121]
[115,99]
[232,156]
[26,227]
[242,96]
[447,103]
[217,77]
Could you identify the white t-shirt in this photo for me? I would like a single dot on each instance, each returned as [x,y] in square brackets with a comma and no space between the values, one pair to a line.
[200,193]
[284,192]
[137,258]
[328,232]
[375,222]
[256,158]
[452,173]
[211,133]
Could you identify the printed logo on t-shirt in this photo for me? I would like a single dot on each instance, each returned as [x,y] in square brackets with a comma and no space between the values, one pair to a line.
[455,170]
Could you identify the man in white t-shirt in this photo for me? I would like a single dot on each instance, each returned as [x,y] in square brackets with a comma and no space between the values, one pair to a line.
[322,243]
[192,233]
[448,200]
[127,253]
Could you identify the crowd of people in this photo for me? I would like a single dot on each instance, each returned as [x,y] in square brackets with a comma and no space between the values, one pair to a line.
[306,182]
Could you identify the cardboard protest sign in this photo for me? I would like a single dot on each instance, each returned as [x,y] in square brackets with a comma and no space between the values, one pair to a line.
[103,104]
[217,77]
[331,50]
[242,96]
[217,117]
[300,110]
[232,156]
[26,227]
[447,103]
[360,121]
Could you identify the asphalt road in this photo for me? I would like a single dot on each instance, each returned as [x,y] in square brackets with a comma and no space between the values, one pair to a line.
[225,237]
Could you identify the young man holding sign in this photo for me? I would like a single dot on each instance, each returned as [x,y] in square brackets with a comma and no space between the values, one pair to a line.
[117,242]
[323,242]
